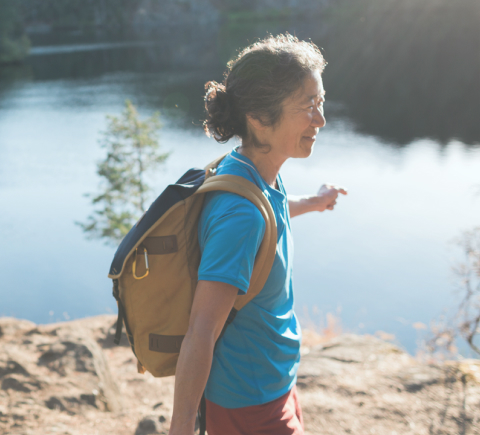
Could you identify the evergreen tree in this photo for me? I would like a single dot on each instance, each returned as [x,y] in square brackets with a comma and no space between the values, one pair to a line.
[132,151]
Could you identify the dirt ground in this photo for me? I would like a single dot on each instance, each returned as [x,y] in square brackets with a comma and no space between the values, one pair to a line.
[69,378]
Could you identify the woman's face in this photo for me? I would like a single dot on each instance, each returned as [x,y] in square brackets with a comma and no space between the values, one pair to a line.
[302,116]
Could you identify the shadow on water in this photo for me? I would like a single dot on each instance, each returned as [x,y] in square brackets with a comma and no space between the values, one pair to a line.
[402,69]
[406,69]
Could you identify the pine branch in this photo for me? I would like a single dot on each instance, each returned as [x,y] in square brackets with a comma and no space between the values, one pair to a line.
[133,150]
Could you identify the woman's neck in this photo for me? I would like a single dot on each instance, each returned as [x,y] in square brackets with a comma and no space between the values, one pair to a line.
[268,165]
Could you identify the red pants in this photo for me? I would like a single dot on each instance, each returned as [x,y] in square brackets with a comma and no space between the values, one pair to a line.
[282,416]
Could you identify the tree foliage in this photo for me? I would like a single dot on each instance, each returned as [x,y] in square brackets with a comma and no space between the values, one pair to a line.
[112,15]
[14,43]
[133,151]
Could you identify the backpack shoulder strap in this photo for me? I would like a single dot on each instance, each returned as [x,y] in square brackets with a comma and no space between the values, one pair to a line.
[266,253]
[213,165]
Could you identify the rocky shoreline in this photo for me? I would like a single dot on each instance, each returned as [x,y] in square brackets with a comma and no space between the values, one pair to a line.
[69,378]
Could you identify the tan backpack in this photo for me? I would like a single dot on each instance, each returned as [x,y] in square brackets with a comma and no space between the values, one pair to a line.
[154,270]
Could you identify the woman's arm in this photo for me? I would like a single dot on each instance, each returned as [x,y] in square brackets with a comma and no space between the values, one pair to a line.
[211,305]
[325,199]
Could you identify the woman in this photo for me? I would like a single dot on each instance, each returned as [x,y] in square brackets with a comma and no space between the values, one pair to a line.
[272,99]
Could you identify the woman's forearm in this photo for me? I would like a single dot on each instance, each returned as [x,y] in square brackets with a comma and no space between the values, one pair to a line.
[193,368]
[303,204]
[325,199]
[196,354]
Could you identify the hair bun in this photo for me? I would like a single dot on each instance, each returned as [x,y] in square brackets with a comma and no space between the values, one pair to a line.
[220,122]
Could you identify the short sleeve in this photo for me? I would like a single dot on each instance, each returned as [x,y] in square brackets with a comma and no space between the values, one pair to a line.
[230,232]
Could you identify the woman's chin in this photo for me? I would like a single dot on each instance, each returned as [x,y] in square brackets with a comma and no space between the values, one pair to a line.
[306,150]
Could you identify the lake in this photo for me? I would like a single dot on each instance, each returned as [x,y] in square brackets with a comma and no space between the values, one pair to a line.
[380,262]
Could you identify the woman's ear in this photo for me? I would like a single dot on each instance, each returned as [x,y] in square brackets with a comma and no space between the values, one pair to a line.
[255,123]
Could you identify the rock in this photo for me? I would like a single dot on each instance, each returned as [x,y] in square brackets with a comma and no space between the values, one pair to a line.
[9,367]
[417,377]
[150,425]
[345,352]
[83,354]
[59,379]
[107,339]
[468,368]
[351,348]
[9,327]
[56,403]
[75,404]
[90,399]
[13,383]
[68,356]
[107,385]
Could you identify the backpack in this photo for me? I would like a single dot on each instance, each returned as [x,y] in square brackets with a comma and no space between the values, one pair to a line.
[154,270]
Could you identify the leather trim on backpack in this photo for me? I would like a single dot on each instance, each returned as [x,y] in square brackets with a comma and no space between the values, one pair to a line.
[160,245]
[165,343]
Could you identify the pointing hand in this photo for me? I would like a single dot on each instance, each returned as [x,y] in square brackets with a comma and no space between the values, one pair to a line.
[327,196]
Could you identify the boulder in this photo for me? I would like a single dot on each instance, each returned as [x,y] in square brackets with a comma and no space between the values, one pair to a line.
[151,425]
[73,353]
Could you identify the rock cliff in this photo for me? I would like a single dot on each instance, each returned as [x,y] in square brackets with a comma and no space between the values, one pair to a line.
[68,378]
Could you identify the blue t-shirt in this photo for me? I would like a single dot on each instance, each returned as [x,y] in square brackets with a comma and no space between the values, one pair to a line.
[256,360]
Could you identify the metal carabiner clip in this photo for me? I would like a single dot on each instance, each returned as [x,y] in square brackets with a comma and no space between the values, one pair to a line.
[134,265]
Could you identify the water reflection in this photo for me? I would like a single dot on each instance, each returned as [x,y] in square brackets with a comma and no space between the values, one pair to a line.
[407,70]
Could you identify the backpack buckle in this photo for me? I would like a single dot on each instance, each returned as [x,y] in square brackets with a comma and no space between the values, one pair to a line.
[134,265]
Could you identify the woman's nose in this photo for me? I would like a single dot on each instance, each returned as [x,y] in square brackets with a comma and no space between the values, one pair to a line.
[319,118]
